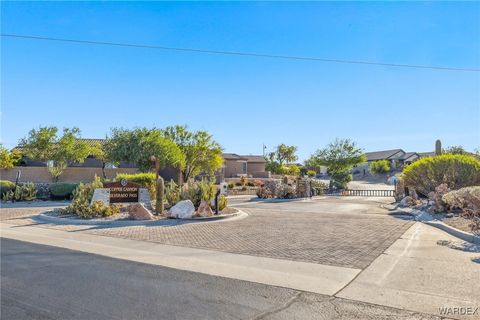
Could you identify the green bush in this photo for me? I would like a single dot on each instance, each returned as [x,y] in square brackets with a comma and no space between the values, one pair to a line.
[380,166]
[340,177]
[456,171]
[231,185]
[468,200]
[222,202]
[62,190]
[23,192]
[311,173]
[6,186]
[146,180]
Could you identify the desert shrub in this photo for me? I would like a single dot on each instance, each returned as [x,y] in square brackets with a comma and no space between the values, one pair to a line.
[172,192]
[293,170]
[319,187]
[191,191]
[456,171]
[380,166]
[311,173]
[468,200]
[23,192]
[80,206]
[6,186]
[222,202]
[243,180]
[207,189]
[146,180]
[238,184]
[250,184]
[231,185]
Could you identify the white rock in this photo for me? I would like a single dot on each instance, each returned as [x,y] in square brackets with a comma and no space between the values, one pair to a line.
[182,210]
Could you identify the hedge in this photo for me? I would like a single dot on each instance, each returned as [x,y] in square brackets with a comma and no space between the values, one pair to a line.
[6,186]
[146,180]
[62,190]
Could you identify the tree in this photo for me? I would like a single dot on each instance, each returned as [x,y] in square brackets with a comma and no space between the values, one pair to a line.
[455,150]
[8,159]
[202,154]
[380,166]
[339,157]
[285,154]
[44,144]
[138,145]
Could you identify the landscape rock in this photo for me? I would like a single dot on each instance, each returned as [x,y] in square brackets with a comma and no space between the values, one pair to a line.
[137,211]
[182,210]
[407,202]
[204,210]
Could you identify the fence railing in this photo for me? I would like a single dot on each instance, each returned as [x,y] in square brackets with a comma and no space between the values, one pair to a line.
[359,193]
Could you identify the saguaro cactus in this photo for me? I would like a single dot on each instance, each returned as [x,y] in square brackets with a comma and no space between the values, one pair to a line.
[438,147]
[160,196]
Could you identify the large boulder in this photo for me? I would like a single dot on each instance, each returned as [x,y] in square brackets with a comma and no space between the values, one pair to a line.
[182,210]
[204,210]
[137,211]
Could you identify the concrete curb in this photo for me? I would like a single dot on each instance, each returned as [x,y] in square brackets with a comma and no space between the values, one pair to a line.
[428,219]
[42,217]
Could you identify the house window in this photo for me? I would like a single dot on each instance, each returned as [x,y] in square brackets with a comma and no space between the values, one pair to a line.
[110,165]
[244,167]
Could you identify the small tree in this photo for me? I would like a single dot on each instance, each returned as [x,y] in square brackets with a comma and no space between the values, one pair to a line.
[339,157]
[138,145]
[9,159]
[202,154]
[45,145]
[380,167]
[277,159]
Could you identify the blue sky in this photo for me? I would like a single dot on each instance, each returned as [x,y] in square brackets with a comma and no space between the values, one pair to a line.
[246,101]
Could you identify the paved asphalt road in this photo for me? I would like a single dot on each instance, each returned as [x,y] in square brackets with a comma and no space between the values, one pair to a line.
[43,282]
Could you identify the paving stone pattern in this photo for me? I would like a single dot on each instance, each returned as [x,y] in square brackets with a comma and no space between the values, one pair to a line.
[347,239]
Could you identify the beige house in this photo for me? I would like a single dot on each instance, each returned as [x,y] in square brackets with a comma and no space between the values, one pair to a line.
[235,166]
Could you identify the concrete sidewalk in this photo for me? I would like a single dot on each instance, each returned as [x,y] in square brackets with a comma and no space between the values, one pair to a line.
[418,273]
[303,276]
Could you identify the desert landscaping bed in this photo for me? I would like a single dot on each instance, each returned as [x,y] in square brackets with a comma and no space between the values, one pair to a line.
[123,216]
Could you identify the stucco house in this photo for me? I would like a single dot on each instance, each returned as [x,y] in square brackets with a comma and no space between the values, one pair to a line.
[235,166]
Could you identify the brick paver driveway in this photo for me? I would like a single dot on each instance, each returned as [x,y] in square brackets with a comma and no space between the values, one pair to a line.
[342,232]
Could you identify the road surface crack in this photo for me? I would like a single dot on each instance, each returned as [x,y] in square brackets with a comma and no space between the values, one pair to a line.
[284,306]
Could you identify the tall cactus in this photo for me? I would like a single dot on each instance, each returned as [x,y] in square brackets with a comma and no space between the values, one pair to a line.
[438,147]
[160,196]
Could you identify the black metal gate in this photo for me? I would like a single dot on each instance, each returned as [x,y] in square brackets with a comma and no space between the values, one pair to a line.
[359,193]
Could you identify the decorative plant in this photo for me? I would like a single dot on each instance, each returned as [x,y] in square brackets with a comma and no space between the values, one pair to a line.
[160,196]
[438,147]
[23,192]
[208,189]
[172,192]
